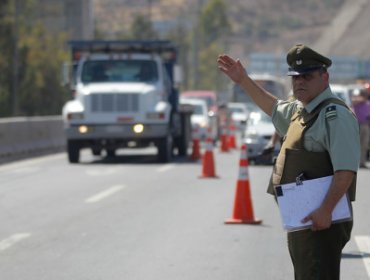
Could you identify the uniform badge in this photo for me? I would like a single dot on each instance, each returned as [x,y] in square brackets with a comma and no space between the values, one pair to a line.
[331,112]
[299,62]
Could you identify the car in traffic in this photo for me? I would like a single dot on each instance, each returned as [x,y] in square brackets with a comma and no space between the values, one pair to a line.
[210,97]
[239,114]
[343,92]
[200,120]
[354,89]
[207,95]
[258,133]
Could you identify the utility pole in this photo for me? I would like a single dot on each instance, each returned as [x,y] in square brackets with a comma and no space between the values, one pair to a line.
[195,45]
[150,15]
[150,10]
[15,81]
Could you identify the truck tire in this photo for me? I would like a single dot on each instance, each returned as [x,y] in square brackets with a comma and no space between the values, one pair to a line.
[182,146]
[165,149]
[182,141]
[73,149]
[96,152]
[111,153]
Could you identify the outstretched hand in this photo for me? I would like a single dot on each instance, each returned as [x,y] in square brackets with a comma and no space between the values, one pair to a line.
[232,68]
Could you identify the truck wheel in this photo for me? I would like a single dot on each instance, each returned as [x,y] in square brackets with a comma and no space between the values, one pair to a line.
[111,153]
[183,140]
[182,146]
[96,152]
[165,147]
[73,149]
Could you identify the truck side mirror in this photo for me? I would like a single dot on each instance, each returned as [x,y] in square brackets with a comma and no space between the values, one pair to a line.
[177,75]
[66,73]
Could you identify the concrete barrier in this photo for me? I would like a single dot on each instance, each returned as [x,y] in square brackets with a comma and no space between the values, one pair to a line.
[28,136]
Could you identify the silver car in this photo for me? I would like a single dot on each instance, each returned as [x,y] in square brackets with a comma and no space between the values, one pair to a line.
[258,134]
[239,114]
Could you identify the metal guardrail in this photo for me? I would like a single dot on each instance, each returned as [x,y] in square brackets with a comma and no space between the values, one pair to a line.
[22,137]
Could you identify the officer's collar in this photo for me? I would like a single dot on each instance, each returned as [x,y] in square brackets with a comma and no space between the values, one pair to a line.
[318,99]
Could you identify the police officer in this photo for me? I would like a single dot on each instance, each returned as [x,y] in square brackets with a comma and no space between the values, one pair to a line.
[321,139]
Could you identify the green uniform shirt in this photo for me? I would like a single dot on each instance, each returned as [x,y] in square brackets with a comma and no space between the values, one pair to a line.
[335,130]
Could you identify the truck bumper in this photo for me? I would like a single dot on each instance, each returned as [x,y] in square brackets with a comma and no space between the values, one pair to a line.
[119,132]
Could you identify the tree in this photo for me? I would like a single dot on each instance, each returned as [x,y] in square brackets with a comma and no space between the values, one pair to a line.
[6,47]
[30,63]
[213,26]
[40,87]
[211,77]
[180,37]
[142,29]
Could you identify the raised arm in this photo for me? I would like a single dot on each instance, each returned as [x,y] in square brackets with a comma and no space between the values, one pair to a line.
[237,73]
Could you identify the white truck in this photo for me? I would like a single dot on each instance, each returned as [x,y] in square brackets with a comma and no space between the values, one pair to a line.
[125,96]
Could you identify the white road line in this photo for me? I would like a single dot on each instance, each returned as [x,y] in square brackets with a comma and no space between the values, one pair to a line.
[32,161]
[363,244]
[104,194]
[13,239]
[165,168]
[101,172]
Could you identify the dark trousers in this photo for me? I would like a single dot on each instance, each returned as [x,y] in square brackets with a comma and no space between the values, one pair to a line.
[316,255]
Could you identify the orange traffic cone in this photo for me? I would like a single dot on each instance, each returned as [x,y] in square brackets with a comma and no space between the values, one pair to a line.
[208,163]
[224,140]
[232,139]
[243,209]
[195,155]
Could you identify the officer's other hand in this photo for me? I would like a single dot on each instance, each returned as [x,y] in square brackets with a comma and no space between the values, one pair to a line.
[320,218]
[232,68]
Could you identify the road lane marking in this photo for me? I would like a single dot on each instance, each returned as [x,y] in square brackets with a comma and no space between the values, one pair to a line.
[101,172]
[363,244]
[165,168]
[29,162]
[104,194]
[27,170]
[13,239]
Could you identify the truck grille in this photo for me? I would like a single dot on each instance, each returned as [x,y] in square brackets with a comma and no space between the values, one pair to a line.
[114,102]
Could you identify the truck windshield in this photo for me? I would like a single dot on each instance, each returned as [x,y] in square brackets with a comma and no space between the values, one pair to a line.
[96,71]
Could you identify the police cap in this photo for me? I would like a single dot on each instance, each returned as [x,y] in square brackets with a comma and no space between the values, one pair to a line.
[302,59]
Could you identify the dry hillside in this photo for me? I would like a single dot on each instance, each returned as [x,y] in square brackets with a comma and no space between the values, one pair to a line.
[258,25]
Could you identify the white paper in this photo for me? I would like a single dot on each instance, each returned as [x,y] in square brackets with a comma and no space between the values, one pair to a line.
[297,201]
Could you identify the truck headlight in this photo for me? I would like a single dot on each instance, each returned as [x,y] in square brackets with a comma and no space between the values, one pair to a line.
[203,123]
[138,128]
[83,129]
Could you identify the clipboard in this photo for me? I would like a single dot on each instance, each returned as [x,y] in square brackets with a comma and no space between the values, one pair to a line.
[296,200]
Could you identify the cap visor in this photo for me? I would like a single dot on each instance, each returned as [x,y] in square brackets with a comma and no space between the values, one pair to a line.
[297,72]
[293,73]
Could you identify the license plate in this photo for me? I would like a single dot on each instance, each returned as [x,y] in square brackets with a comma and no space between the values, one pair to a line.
[114,129]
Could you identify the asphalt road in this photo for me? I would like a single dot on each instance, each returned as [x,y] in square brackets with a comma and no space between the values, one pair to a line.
[132,218]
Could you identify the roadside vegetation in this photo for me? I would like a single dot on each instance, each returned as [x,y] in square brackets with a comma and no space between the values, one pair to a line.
[30,63]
